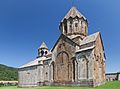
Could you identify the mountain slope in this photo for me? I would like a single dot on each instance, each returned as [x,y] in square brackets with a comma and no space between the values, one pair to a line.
[8,73]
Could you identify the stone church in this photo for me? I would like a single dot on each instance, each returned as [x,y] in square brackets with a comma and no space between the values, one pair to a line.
[76,59]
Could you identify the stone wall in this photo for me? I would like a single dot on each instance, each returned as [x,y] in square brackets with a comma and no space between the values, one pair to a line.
[37,75]
[112,76]
[84,68]
[28,76]
[63,61]
[99,62]
[40,75]
[119,76]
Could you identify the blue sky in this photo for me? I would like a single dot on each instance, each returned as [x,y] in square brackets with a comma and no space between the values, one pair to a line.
[24,24]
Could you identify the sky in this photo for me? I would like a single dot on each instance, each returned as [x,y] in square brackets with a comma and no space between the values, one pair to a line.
[25,24]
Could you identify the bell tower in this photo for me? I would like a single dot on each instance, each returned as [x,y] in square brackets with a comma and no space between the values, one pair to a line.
[42,50]
[74,25]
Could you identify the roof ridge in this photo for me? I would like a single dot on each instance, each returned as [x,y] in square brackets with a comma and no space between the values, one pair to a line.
[66,38]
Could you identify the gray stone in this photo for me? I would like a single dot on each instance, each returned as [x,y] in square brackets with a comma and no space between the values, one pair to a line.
[76,59]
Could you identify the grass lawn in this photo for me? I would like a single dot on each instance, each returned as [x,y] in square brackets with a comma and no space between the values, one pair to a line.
[109,85]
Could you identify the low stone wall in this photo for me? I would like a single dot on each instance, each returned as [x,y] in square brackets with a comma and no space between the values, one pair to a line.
[8,83]
[113,76]
[81,83]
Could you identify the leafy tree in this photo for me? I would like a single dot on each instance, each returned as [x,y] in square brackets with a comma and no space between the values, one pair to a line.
[8,73]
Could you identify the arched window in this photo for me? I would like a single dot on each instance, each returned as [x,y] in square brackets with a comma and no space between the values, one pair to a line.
[46,52]
[76,24]
[70,28]
[46,74]
[62,58]
[85,30]
[42,53]
[65,27]
[65,31]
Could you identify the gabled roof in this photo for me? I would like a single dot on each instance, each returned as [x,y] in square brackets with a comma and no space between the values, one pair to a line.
[90,38]
[73,12]
[43,45]
[65,38]
[37,61]
[32,63]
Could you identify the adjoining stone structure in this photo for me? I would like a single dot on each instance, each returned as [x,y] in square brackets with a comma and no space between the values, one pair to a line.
[77,59]
[113,76]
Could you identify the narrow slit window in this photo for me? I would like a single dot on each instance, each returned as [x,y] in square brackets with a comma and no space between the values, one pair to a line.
[76,24]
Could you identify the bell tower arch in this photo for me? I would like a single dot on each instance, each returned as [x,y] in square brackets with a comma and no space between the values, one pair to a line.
[42,50]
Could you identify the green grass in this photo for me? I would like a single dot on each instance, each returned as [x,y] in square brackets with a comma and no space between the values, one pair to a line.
[109,85]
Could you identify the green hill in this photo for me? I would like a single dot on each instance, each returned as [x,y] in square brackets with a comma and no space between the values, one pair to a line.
[8,73]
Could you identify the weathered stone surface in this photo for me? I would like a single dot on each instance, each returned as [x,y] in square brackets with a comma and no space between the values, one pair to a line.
[63,64]
[76,59]
[28,76]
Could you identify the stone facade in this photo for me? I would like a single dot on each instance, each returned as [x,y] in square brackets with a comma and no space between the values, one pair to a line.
[76,59]
[28,76]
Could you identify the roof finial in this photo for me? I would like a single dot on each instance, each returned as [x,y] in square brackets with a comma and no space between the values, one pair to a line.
[74,3]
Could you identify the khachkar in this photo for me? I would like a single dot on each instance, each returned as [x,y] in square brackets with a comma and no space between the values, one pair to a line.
[76,59]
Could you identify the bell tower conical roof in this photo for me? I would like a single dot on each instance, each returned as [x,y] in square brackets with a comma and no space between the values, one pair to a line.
[43,46]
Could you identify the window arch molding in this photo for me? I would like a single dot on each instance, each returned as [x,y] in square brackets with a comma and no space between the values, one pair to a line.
[63,52]
[84,69]
[62,57]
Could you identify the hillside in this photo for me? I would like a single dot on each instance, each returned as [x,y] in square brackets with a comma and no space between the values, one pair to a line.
[8,73]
